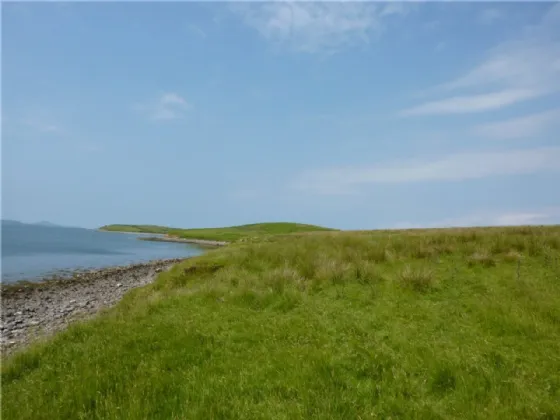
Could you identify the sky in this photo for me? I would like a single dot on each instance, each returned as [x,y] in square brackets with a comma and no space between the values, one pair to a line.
[352,115]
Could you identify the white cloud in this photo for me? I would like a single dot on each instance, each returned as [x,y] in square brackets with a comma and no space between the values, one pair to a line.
[471,103]
[457,167]
[318,26]
[521,218]
[520,64]
[173,99]
[49,128]
[431,25]
[395,8]
[169,106]
[512,72]
[43,126]
[195,30]
[521,127]
[440,46]
[492,218]
[489,16]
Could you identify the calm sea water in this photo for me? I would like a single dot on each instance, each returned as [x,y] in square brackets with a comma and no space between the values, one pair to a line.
[32,252]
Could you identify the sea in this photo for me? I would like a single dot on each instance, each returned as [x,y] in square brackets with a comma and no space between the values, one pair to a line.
[34,252]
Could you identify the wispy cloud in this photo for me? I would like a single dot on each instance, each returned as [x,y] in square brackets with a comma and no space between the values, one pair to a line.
[41,121]
[195,30]
[440,46]
[40,125]
[43,127]
[521,127]
[489,16]
[522,218]
[492,218]
[169,106]
[471,103]
[515,71]
[318,26]
[456,167]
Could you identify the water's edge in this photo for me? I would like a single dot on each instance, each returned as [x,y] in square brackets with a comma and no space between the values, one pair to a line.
[31,311]
[201,242]
[38,254]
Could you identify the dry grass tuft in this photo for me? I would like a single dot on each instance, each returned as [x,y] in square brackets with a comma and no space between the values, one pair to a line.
[419,279]
[482,257]
[513,256]
[281,278]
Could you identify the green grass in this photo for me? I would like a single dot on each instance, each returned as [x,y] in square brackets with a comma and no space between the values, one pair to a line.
[442,324]
[227,234]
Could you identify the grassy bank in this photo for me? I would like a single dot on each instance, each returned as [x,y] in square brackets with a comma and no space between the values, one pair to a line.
[227,234]
[461,324]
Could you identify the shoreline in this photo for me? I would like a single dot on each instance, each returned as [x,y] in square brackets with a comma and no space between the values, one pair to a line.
[128,233]
[33,310]
[202,242]
[164,237]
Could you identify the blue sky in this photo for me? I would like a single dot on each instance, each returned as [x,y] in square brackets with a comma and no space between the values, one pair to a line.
[350,115]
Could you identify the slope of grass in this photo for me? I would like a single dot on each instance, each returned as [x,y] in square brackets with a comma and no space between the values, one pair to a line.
[228,234]
[451,324]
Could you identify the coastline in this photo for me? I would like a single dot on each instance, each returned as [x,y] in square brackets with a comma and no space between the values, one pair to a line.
[202,242]
[34,310]
[128,233]
[163,237]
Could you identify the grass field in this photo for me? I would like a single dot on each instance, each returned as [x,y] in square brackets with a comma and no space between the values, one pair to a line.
[434,324]
[228,234]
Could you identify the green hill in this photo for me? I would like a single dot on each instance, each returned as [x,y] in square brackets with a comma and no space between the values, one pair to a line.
[430,324]
[227,234]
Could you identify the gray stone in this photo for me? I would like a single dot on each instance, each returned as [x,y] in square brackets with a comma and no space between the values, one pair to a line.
[53,304]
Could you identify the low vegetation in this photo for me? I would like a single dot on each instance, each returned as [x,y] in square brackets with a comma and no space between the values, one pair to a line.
[434,324]
[228,234]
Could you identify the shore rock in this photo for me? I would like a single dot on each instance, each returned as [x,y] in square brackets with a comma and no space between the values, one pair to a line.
[33,310]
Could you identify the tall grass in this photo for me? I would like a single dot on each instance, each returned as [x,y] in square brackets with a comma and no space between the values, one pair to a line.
[412,324]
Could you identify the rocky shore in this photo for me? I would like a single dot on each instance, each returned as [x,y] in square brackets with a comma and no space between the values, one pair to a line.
[33,310]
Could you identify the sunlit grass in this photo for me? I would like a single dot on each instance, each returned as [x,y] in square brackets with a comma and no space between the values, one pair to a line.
[458,323]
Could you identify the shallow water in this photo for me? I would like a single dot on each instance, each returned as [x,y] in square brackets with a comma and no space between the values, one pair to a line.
[32,251]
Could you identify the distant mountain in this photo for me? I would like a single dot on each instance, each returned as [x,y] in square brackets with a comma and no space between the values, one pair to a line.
[46,224]
[8,222]
[11,222]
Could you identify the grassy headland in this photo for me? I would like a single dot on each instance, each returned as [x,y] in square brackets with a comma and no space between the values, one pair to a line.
[227,234]
[458,323]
